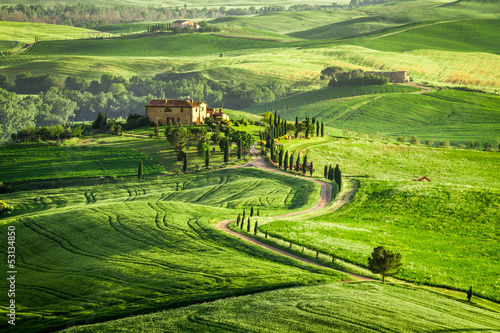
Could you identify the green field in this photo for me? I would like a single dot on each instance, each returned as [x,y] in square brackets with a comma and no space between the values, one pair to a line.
[327,308]
[26,32]
[445,229]
[144,246]
[169,3]
[452,115]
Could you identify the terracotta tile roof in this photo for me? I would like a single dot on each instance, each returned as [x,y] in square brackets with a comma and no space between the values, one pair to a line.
[174,102]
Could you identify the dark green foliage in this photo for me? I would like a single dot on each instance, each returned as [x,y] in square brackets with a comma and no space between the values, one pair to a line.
[290,245]
[239,149]
[100,122]
[285,161]
[226,153]
[330,173]
[178,136]
[304,165]
[238,220]
[311,169]
[258,211]
[338,176]
[325,172]
[297,163]
[255,228]
[207,157]
[291,162]
[243,219]
[157,131]
[248,224]
[180,155]
[140,170]
[266,233]
[251,211]
[333,257]
[185,163]
[354,77]
[280,160]
[317,128]
[384,262]
[469,294]
[322,129]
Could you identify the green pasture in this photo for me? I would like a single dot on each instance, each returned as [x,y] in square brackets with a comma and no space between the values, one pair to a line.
[327,94]
[170,3]
[94,253]
[26,32]
[456,116]
[10,45]
[358,307]
[29,162]
[446,229]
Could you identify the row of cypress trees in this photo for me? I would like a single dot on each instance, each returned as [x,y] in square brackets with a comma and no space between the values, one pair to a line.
[334,174]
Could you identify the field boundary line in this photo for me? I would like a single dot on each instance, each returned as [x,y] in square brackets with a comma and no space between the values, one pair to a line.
[418,27]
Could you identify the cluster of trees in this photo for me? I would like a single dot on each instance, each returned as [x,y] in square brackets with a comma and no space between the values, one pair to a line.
[362,3]
[204,27]
[337,76]
[87,15]
[334,174]
[278,128]
[240,221]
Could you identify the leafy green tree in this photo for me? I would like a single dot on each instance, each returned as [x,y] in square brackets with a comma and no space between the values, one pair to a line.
[178,136]
[384,262]
[140,170]
[239,149]
[415,140]
[331,173]
[15,114]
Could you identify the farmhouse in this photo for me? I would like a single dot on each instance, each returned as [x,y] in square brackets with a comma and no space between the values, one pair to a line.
[398,77]
[214,114]
[173,111]
[181,24]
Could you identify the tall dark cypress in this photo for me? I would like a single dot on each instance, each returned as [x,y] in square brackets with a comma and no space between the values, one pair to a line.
[139,171]
[248,224]
[307,132]
[251,211]
[185,164]
[297,164]
[325,172]
[322,129]
[285,161]
[255,228]
[296,121]
[338,176]
[317,129]
[207,157]
[291,162]
[330,173]
[280,161]
[304,165]
[311,169]
[226,153]
[238,220]
[239,149]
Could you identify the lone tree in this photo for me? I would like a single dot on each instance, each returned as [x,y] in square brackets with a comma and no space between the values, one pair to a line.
[185,164]
[384,262]
[226,153]
[285,161]
[469,293]
[139,171]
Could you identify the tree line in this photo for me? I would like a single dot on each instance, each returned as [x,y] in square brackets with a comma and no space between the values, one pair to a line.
[87,15]
[337,76]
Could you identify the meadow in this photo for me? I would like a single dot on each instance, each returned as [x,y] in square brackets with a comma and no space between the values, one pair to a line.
[138,247]
[446,229]
[327,308]
[456,116]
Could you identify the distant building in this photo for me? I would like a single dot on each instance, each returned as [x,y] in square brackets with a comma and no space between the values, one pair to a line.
[181,24]
[397,77]
[214,114]
[172,111]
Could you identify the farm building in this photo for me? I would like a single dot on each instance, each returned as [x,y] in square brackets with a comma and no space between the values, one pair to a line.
[172,111]
[181,24]
[214,114]
[398,77]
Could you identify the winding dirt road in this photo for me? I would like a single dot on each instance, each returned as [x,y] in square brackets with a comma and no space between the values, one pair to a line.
[324,200]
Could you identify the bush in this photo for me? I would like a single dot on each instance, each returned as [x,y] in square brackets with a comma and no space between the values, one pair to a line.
[444,143]
[5,209]
[429,142]
[135,120]
[415,140]
[401,139]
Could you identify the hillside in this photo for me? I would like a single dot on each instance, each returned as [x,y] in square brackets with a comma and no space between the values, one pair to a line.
[451,115]
[359,307]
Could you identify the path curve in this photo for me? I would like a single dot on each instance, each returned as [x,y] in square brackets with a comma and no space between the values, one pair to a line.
[324,200]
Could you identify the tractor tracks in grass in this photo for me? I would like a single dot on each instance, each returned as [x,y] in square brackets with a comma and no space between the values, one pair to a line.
[324,201]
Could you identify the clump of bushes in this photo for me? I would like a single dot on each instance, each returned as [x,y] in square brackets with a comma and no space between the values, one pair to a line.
[5,209]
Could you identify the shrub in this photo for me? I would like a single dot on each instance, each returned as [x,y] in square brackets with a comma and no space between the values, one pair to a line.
[429,142]
[5,209]
[415,140]
[401,139]
[444,143]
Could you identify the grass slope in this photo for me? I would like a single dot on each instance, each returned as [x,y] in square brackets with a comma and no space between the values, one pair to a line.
[360,307]
[452,115]
[88,254]
[26,32]
[446,229]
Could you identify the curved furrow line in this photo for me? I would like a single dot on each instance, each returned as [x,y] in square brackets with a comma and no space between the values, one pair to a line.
[209,192]
[212,324]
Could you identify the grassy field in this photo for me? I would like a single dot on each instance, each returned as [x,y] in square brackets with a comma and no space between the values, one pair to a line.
[327,94]
[446,229]
[360,307]
[169,3]
[26,32]
[92,253]
[452,115]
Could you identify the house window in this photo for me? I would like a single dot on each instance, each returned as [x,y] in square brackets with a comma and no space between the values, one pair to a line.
[182,110]
[178,120]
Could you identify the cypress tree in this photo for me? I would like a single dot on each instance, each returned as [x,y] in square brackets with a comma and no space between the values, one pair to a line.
[243,216]
[322,129]
[317,254]
[291,162]
[290,246]
[258,211]
[241,223]
[266,233]
[226,153]
[280,161]
[185,164]
[317,129]
[311,170]
[251,211]
[139,171]
[338,176]
[285,161]
[333,257]
[239,149]
[238,220]
[330,173]
[297,163]
[326,172]
[248,224]
[255,229]
[207,157]
[304,165]
[296,121]
[469,294]
[157,130]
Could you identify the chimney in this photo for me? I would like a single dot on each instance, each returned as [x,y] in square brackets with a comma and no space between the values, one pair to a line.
[191,100]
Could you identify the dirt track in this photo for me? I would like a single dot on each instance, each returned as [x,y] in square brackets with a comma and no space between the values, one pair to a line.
[324,200]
